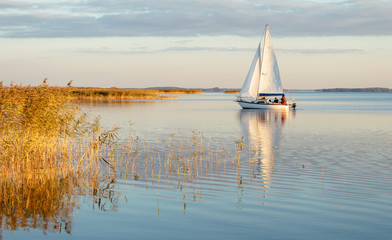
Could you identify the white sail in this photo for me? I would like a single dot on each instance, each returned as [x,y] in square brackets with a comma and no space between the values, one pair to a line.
[251,84]
[263,75]
[262,85]
[269,77]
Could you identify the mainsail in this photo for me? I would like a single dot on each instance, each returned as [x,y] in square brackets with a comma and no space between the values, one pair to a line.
[263,76]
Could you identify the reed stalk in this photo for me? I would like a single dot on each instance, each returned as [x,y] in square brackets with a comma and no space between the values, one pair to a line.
[51,154]
[48,149]
[83,94]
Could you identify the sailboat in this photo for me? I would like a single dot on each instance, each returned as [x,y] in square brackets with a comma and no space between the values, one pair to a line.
[262,87]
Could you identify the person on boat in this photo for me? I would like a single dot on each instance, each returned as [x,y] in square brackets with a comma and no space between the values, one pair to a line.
[276,100]
[283,100]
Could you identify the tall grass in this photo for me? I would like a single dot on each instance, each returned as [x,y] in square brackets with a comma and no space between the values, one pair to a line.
[51,154]
[35,123]
[47,150]
[232,91]
[129,94]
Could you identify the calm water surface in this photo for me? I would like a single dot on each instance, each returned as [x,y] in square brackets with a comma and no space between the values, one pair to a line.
[323,171]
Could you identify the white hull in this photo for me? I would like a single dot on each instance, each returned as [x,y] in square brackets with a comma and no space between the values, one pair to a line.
[251,105]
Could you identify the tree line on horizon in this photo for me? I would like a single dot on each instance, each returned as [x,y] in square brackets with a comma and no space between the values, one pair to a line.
[375,89]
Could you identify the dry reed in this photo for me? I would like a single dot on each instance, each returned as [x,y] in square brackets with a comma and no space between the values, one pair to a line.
[127,94]
[51,153]
[47,150]
[232,91]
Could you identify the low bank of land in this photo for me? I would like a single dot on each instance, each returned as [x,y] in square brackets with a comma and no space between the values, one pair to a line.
[127,94]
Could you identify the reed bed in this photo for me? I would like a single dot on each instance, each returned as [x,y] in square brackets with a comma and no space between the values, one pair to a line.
[127,94]
[51,154]
[182,163]
[48,150]
[232,91]
[177,160]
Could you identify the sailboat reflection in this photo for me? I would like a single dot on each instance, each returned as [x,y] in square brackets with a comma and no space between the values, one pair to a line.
[262,130]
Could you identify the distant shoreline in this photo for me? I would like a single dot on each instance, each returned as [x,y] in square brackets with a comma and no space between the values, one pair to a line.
[177,90]
[370,89]
[217,89]
[374,89]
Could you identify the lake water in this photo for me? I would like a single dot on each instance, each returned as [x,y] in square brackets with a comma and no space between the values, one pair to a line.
[323,171]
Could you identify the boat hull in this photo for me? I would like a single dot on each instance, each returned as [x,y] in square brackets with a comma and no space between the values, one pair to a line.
[252,105]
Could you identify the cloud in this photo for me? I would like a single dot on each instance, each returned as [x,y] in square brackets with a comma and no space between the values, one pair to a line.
[142,50]
[95,18]
[322,51]
[209,49]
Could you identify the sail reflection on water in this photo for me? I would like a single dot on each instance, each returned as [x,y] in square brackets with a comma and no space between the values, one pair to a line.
[262,129]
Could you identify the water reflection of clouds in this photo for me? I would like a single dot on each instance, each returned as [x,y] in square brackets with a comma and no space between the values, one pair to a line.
[263,134]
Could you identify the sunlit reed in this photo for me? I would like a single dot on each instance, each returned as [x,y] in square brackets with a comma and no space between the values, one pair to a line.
[127,94]
[51,154]
[232,91]
[48,150]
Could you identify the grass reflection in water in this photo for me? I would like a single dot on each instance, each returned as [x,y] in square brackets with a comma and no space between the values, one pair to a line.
[51,155]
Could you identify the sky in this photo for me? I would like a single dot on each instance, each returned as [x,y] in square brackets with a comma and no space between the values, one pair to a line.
[194,44]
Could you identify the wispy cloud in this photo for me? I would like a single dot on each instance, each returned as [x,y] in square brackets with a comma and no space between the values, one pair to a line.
[143,50]
[91,18]
[106,50]
[322,51]
[209,49]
